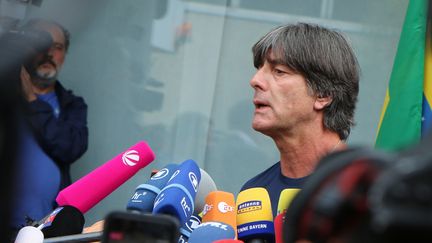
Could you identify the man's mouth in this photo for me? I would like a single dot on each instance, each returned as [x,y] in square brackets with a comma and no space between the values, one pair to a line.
[46,70]
[47,63]
[259,104]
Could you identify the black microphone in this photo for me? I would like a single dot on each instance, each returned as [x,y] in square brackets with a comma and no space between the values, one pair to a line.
[64,220]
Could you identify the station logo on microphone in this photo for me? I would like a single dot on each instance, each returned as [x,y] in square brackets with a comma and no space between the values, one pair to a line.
[130,158]
[192,223]
[136,198]
[174,175]
[160,174]
[207,208]
[223,207]
[48,220]
[249,206]
[194,181]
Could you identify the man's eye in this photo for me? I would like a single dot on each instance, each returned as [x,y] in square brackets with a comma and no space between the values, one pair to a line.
[58,46]
[279,71]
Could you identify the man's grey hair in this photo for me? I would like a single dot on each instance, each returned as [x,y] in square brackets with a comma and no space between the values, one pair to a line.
[326,60]
[34,23]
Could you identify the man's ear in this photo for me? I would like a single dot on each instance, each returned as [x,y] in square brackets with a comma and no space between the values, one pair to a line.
[322,102]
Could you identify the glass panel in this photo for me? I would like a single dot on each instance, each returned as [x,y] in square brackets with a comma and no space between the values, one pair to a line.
[176,73]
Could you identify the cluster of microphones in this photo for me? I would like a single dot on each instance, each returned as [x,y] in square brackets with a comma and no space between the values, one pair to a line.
[183,192]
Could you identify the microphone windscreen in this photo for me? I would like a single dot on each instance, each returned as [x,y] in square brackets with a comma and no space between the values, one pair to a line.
[254,215]
[29,234]
[285,198]
[177,197]
[145,194]
[278,226]
[220,207]
[205,186]
[95,186]
[64,220]
[211,231]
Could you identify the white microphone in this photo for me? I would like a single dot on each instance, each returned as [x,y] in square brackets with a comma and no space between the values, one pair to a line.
[205,186]
[29,234]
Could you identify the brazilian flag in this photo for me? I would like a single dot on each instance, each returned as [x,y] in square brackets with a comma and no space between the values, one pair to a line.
[406,113]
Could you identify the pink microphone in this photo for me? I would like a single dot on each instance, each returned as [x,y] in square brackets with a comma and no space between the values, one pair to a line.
[95,186]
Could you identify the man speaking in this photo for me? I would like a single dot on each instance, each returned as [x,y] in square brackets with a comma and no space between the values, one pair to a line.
[305,91]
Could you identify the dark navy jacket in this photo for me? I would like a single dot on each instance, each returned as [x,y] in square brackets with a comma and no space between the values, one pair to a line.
[64,138]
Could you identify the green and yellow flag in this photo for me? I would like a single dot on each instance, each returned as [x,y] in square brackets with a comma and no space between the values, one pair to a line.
[402,114]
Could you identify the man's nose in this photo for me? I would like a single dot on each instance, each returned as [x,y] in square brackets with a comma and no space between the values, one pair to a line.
[50,52]
[257,81]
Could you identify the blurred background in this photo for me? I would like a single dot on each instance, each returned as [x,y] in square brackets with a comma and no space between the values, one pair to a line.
[176,74]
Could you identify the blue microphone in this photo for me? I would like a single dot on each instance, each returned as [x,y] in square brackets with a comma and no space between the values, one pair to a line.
[212,231]
[190,225]
[145,194]
[177,197]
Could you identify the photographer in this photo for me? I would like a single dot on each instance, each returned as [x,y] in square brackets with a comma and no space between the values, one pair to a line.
[57,117]
[18,49]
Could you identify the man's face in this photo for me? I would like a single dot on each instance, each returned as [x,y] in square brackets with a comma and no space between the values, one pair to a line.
[282,99]
[48,65]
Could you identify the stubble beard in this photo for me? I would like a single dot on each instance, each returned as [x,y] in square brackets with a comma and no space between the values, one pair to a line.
[44,77]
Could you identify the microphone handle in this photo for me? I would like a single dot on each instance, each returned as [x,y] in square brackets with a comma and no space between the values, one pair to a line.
[78,238]
[256,241]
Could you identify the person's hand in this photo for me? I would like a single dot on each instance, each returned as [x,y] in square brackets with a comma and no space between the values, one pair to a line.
[27,86]
[96,227]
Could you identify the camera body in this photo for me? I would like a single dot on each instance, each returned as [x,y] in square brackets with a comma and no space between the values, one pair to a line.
[21,46]
[126,227]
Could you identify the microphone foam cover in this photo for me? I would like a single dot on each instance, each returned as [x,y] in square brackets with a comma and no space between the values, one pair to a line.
[95,186]
[254,215]
[220,207]
[65,220]
[211,231]
[177,197]
[29,234]
[145,194]
[205,186]
[285,198]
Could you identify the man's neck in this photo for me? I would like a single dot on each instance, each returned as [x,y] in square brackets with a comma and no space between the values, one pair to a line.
[299,155]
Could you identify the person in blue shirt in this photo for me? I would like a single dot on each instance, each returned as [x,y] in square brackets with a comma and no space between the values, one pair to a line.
[305,92]
[57,117]
[54,131]
[30,177]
